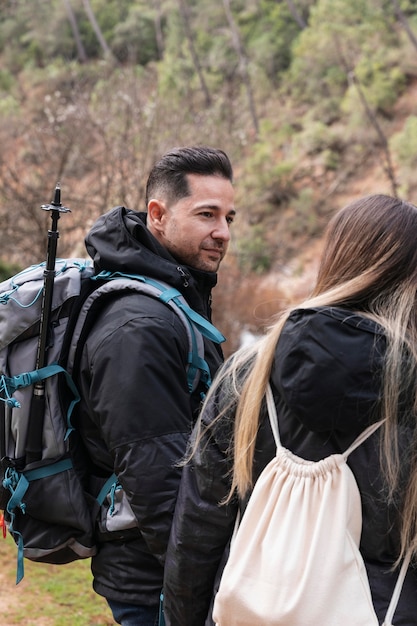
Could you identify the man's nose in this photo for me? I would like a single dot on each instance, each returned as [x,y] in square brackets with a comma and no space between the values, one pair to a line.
[222,230]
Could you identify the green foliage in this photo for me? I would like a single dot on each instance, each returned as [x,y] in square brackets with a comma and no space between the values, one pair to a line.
[134,39]
[409,7]
[105,122]
[331,159]
[339,33]
[110,13]
[314,138]
[270,32]
[404,144]
[327,110]
[265,168]
[8,103]
[380,83]
[254,254]
[315,73]
[6,80]
[8,106]
[304,220]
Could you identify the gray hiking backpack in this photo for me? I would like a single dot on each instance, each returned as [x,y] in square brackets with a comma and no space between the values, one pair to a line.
[46,508]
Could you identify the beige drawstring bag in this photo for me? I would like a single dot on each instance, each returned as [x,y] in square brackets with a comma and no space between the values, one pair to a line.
[294,558]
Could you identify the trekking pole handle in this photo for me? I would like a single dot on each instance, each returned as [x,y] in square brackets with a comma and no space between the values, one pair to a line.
[56,208]
[35,430]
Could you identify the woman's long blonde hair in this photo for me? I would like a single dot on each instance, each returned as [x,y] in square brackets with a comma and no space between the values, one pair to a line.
[369,265]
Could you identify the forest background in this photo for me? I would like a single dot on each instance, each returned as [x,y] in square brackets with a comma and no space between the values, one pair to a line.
[315,101]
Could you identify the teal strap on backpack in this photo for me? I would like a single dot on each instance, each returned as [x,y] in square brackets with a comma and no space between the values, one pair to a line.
[17,483]
[204,326]
[48,470]
[109,487]
[195,321]
[8,385]
[170,293]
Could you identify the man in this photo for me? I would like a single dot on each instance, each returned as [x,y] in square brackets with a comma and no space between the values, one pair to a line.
[136,411]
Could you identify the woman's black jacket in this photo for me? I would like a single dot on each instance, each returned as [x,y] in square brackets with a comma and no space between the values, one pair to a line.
[326,380]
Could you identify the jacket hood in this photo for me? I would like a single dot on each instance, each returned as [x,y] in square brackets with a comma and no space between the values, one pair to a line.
[119,241]
[328,366]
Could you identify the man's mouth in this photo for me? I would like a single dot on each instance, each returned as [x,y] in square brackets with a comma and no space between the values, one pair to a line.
[214,251]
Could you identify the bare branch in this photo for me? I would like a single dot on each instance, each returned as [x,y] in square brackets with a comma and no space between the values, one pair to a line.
[352,78]
[402,18]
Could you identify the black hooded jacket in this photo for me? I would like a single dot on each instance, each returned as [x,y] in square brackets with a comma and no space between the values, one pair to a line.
[136,411]
[326,380]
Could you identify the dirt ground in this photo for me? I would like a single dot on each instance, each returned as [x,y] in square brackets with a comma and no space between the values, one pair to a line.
[31,604]
[13,597]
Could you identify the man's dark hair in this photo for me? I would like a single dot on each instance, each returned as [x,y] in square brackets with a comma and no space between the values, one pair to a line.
[169,175]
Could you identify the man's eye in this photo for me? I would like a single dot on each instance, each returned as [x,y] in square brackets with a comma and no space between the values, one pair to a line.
[229,220]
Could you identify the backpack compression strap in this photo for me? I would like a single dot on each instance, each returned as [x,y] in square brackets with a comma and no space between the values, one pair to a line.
[17,483]
[8,385]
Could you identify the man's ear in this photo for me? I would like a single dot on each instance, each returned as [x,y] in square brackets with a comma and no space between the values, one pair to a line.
[156,216]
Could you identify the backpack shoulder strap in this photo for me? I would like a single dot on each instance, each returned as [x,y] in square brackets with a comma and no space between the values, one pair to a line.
[363,437]
[397,589]
[195,325]
[272,414]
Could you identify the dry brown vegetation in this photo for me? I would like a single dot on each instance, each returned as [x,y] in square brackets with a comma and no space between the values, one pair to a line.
[306,109]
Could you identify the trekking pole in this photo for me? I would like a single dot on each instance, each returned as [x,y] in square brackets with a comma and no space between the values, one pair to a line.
[34,436]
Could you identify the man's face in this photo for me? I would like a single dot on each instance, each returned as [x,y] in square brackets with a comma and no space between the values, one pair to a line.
[196,229]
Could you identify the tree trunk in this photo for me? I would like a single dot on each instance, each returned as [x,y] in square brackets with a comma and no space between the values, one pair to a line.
[185,16]
[97,30]
[388,167]
[351,76]
[296,15]
[243,62]
[158,29]
[81,53]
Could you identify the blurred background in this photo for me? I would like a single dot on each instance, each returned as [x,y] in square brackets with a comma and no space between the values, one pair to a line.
[315,101]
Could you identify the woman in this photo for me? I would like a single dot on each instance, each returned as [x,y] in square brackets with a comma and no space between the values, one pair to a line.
[342,360]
